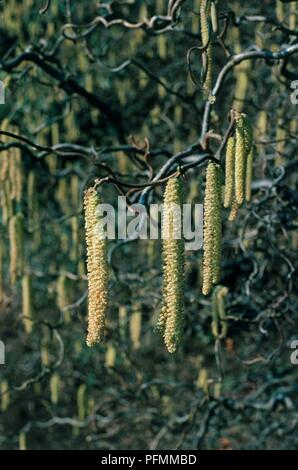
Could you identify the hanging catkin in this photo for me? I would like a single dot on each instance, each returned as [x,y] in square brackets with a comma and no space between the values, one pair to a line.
[216,262]
[172,313]
[212,228]
[16,241]
[240,159]
[249,173]
[97,269]
[206,42]
[229,172]
[32,200]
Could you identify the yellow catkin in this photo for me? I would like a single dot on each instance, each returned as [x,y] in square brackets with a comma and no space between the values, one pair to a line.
[64,296]
[171,317]
[135,327]
[240,159]
[18,175]
[32,200]
[4,154]
[82,402]
[16,241]
[216,262]
[212,228]
[202,380]
[75,191]
[4,159]
[44,355]
[22,441]
[6,202]
[248,134]
[74,222]
[122,319]
[110,356]
[55,133]
[213,16]
[97,268]
[162,46]
[229,172]
[55,388]
[219,323]
[249,174]
[4,395]
[27,301]
[261,126]
[205,36]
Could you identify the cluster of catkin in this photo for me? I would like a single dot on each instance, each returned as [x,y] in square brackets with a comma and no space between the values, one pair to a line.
[239,164]
[171,318]
[97,268]
[238,178]
[238,175]
[11,204]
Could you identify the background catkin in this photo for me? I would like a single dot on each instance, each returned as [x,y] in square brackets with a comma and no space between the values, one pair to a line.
[212,228]
[219,324]
[97,269]
[172,313]
[229,172]
[27,302]
[135,327]
[16,242]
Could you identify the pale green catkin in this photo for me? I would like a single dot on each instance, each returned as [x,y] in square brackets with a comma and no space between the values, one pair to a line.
[244,144]
[229,172]
[248,133]
[249,174]
[240,159]
[97,268]
[55,386]
[212,228]
[171,317]
[16,241]
[205,36]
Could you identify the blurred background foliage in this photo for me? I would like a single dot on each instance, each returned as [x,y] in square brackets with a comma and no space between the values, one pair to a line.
[128,392]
